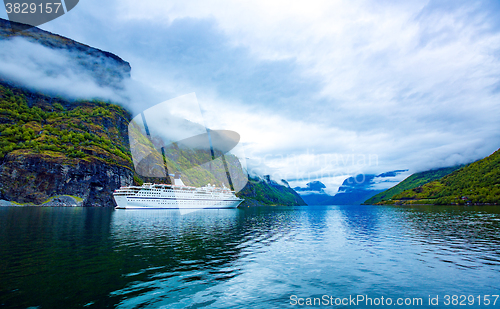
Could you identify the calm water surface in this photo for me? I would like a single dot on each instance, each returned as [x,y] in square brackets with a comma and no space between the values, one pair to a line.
[246,258]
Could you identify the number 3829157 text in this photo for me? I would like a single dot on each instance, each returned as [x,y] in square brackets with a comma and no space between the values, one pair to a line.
[32,8]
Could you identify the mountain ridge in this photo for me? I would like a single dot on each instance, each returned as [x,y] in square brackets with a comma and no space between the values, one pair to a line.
[475,183]
[412,181]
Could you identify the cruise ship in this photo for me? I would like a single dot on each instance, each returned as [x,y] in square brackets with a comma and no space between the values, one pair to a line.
[176,196]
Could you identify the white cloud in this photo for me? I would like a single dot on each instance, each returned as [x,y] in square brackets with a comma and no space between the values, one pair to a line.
[49,70]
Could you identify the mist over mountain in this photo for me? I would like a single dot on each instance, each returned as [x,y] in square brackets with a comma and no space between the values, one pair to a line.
[58,66]
[353,191]
[313,186]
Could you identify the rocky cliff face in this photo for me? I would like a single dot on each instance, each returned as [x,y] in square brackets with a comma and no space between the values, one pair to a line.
[57,152]
[37,179]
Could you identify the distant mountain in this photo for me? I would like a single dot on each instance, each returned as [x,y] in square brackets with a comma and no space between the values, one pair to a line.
[313,193]
[411,182]
[265,191]
[476,183]
[313,186]
[392,173]
[353,191]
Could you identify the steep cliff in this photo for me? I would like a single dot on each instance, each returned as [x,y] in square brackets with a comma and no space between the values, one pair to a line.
[57,151]
[42,179]
[51,147]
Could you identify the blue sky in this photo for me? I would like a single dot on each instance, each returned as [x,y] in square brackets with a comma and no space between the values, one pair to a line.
[316,88]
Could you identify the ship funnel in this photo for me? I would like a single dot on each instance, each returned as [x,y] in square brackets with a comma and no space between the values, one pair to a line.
[178,180]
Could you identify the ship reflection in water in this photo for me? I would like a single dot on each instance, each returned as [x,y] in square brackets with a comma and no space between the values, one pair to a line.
[244,258]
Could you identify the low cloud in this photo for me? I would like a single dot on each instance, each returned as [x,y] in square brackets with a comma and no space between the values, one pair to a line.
[69,74]
[53,71]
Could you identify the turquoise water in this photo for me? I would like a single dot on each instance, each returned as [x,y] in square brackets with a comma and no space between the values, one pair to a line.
[249,258]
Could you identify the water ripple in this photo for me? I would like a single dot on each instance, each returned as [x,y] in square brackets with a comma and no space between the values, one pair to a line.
[243,258]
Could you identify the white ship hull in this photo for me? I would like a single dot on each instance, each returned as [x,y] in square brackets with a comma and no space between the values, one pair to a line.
[130,203]
[150,196]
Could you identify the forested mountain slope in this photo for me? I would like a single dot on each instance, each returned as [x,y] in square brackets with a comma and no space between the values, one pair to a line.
[411,182]
[476,183]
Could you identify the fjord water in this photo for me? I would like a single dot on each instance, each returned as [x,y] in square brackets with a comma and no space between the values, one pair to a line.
[246,258]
